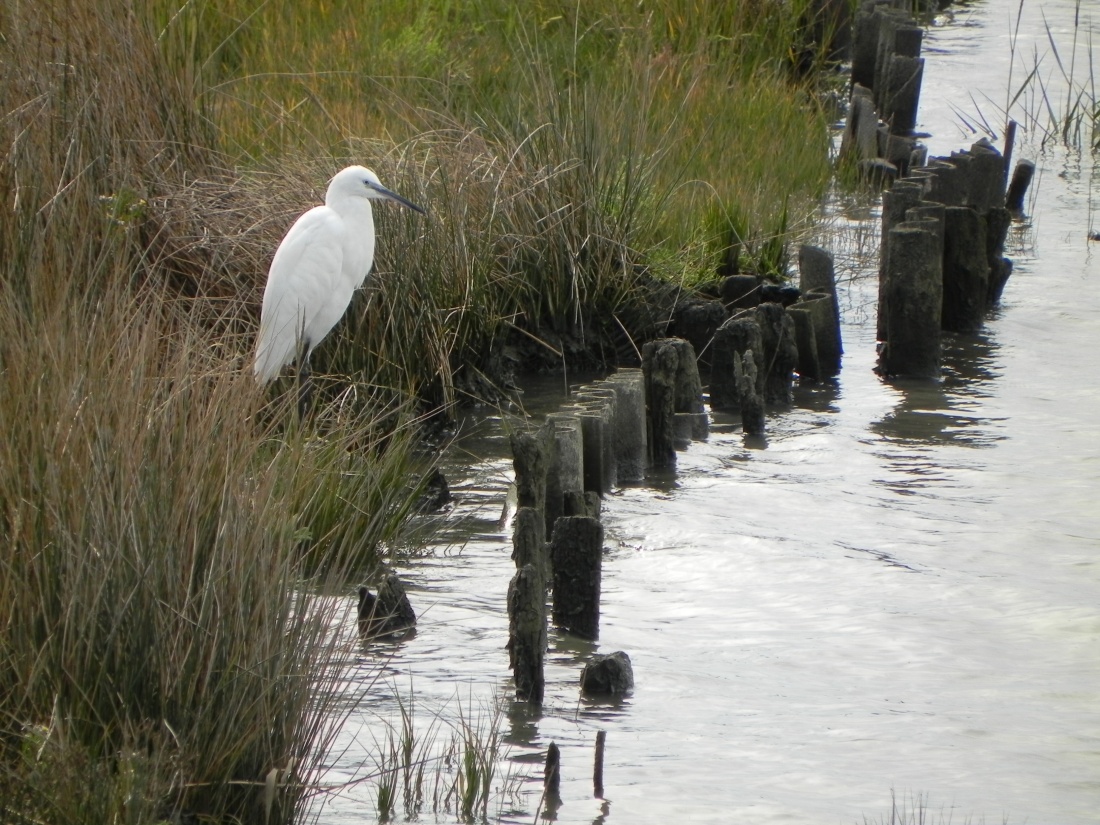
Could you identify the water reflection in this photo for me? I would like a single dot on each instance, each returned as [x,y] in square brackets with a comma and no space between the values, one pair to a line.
[949,411]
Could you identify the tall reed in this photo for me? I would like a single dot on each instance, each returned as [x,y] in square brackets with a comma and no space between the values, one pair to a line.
[173,557]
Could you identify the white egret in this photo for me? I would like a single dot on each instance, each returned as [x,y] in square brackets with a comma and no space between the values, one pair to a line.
[324,258]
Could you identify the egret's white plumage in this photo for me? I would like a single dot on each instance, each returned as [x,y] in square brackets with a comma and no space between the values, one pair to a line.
[323,259]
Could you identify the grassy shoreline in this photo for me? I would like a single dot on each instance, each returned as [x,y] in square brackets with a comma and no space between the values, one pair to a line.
[175,557]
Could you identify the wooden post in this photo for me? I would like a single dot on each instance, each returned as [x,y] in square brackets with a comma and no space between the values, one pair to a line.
[914,305]
[527,632]
[780,352]
[965,270]
[597,768]
[752,401]
[735,337]
[529,542]
[630,424]
[576,551]
[659,363]
[1021,180]
[531,460]
[551,776]
[896,201]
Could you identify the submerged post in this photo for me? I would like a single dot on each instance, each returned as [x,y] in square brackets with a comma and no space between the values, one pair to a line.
[527,632]
[576,551]
[597,768]
[914,303]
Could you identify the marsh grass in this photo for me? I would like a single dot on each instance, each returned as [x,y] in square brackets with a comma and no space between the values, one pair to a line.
[163,625]
[170,547]
[417,771]
[915,809]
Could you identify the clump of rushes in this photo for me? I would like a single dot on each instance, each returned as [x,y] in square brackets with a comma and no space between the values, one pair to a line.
[164,632]
[172,558]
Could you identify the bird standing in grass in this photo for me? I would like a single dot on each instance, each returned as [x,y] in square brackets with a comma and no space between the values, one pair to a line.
[323,259]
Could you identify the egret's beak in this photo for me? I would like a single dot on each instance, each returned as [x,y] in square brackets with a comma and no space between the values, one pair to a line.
[393,196]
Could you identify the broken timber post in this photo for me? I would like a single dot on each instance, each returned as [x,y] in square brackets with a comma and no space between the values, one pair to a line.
[576,551]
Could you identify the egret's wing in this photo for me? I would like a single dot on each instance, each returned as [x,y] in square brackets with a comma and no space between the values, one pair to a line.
[303,274]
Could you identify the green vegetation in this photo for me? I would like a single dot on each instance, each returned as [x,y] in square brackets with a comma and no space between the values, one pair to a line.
[178,559]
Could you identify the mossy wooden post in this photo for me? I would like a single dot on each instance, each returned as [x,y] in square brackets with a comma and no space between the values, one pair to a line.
[902,93]
[817,280]
[527,632]
[660,363]
[569,449]
[599,401]
[965,270]
[576,551]
[531,460]
[914,302]
[593,426]
[529,542]
[752,401]
[809,365]
[735,337]
[896,201]
[780,352]
[630,424]
[689,389]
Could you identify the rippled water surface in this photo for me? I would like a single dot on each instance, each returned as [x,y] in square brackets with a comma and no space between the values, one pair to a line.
[899,591]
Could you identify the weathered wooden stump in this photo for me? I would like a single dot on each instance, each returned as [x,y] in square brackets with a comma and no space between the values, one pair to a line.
[630,424]
[531,460]
[899,199]
[527,632]
[751,397]
[672,386]
[914,304]
[740,291]
[865,39]
[595,416]
[817,279]
[608,674]
[965,270]
[780,352]
[529,542]
[569,447]
[576,551]
[860,141]
[809,365]
[735,337]
[901,95]
[1021,180]
[388,612]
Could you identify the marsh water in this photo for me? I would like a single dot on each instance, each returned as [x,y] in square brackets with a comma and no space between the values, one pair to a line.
[899,593]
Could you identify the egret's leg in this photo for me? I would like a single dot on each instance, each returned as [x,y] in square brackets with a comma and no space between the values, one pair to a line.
[305,382]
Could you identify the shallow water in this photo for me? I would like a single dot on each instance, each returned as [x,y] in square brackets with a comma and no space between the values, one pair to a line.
[899,592]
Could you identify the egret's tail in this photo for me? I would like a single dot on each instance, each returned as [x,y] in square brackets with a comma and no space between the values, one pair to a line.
[272,354]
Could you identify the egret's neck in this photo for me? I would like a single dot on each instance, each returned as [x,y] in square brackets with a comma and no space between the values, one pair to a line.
[358,219]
